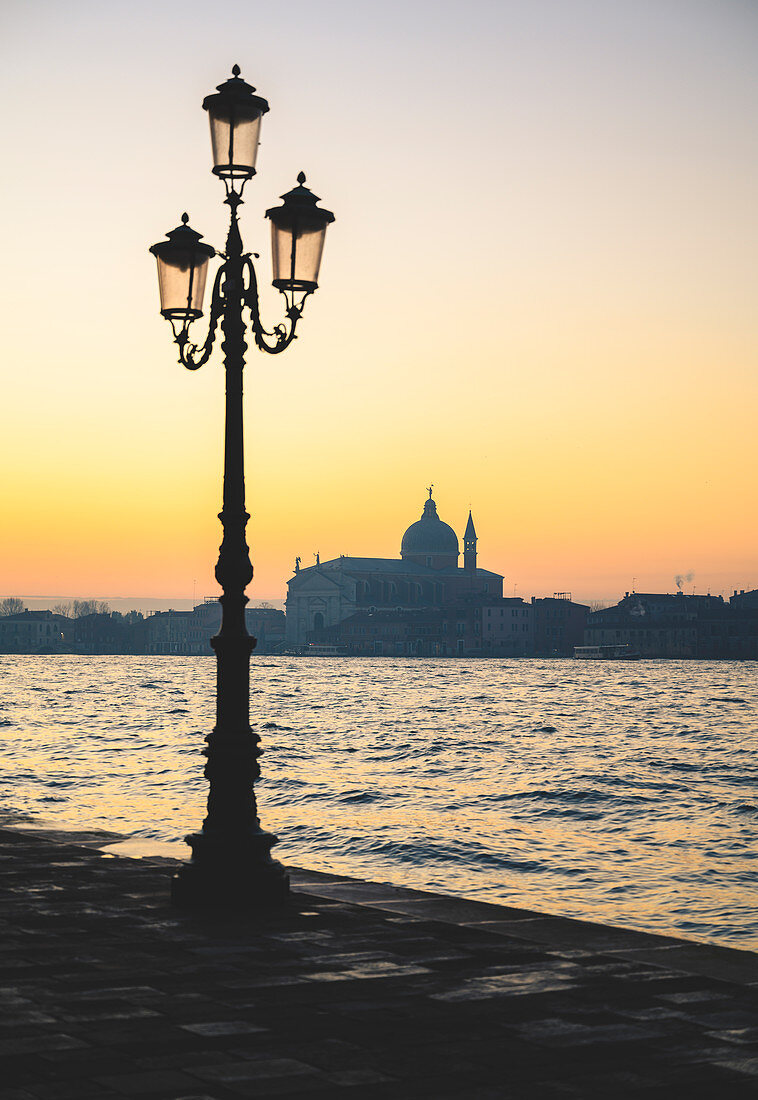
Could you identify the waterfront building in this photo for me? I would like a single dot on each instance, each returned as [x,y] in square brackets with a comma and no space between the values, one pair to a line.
[180,633]
[33,632]
[558,624]
[507,628]
[190,632]
[743,600]
[266,624]
[175,632]
[101,633]
[475,626]
[656,624]
[426,576]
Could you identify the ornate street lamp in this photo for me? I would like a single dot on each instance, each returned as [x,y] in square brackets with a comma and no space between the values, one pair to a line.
[231,855]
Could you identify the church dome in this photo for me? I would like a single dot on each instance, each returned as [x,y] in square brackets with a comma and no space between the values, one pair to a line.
[429,535]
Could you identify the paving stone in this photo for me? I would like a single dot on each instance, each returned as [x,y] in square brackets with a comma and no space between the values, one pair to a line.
[73,1090]
[255,1070]
[695,996]
[13,1018]
[196,1096]
[723,963]
[145,1084]
[744,1036]
[748,1066]
[724,1019]
[345,1077]
[39,1043]
[510,985]
[222,1027]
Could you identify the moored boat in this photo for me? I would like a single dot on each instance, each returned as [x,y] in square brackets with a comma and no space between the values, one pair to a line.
[620,652]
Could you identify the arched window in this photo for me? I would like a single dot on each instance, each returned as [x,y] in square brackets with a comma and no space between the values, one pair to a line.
[318,621]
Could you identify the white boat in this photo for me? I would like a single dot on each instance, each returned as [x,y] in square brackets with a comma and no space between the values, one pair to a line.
[621,652]
[315,649]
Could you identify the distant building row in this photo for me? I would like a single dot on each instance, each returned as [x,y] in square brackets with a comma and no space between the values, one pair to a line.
[167,632]
[476,625]
[650,624]
[422,604]
[425,604]
[479,626]
[661,625]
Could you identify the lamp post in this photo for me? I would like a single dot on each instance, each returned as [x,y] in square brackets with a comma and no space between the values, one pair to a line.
[231,855]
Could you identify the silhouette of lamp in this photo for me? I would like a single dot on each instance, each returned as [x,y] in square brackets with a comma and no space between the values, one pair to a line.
[235,114]
[182,272]
[231,860]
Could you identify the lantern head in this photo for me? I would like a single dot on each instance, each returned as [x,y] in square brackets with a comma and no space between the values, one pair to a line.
[182,272]
[235,114]
[298,230]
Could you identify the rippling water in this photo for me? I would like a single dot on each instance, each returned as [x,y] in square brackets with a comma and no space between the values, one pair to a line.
[624,793]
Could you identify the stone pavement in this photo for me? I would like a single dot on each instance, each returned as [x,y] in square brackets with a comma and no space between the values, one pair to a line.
[355,990]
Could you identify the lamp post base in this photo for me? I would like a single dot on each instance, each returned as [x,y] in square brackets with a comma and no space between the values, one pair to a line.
[230,875]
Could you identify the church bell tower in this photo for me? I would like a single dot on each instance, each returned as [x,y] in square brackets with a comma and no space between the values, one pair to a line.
[469,546]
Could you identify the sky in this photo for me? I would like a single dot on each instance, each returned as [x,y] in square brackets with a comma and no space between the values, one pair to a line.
[539,293]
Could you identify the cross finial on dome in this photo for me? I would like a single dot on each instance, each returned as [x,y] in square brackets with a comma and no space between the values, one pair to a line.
[430,508]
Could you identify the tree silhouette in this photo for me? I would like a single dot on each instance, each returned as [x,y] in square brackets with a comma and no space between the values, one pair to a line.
[11,605]
[77,609]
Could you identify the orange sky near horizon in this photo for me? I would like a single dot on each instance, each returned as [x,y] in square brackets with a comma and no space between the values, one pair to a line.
[539,293]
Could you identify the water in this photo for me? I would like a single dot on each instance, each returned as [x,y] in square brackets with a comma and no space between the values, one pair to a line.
[616,792]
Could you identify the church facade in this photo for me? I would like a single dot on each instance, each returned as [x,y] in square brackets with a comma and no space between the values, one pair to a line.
[425,576]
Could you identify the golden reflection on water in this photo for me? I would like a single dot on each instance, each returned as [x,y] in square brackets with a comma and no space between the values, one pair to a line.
[620,794]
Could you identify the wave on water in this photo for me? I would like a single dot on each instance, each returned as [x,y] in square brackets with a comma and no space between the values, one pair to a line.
[598,793]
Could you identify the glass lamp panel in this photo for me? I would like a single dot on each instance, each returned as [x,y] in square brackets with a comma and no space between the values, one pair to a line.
[297,253]
[235,135]
[181,282]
